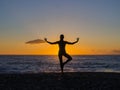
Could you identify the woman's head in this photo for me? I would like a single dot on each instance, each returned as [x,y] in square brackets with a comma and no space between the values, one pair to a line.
[62,36]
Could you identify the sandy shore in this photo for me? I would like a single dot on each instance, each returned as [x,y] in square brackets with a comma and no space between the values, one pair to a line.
[56,81]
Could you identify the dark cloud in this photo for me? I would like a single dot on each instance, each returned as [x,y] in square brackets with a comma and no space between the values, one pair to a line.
[36,41]
[116,51]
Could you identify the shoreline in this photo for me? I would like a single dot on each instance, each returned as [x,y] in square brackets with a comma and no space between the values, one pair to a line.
[57,81]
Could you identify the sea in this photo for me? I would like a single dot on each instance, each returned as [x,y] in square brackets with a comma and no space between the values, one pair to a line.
[20,64]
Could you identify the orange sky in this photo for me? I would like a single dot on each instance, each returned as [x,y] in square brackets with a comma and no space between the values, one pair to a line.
[79,48]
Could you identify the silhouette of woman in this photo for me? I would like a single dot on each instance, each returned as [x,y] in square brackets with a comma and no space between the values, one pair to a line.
[62,51]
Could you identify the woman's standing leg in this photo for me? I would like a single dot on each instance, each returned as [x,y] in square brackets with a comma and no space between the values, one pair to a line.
[61,62]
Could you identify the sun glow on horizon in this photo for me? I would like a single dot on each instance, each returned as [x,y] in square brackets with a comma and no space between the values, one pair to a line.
[46,49]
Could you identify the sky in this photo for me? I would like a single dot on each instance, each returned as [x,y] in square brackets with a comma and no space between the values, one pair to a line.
[95,22]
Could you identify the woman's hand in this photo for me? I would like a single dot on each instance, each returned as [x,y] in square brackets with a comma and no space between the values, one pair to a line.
[45,39]
[77,39]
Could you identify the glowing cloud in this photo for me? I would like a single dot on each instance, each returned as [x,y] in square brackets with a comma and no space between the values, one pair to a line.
[116,51]
[36,41]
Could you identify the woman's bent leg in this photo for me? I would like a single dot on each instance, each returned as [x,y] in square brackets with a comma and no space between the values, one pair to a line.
[69,58]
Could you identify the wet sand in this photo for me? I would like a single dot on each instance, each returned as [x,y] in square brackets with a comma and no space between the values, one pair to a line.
[56,81]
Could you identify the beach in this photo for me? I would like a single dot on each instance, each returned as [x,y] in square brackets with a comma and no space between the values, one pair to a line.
[58,81]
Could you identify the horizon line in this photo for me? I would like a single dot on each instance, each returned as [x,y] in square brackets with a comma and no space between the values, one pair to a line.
[56,54]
